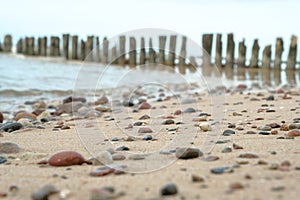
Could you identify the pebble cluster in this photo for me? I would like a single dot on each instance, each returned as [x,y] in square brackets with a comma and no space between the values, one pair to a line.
[250,116]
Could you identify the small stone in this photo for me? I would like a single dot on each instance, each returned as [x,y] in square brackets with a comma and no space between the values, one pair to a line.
[115,139]
[74,99]
[250,132]
[14,189]
[118,156]
[284,127]
[264,128]
[138,123]
[102,194]
[262,162]
[259,118]
[248,176]
[3,160]
[169,189]
[211,158]
[10,126]
[101,101]
[66,158]
[220,170]
[147,137]
[237,114]
[270,98]
[294,126]
[188,153]
[248,155]
[136,157]
[25,115]
[236,146]
[145,130]
[189,110]
[144,105]
[102,171]
[8,147]
[168,122]
[205,127]
[264,133]
[122,148]
[103,109]
[44,192]
[242,162]
[293,133]
[274,132]
[274,166]
[241,87]
[177,112]
[144,117]
[222,141]
[197,179]
[130,138]
[231,126]
[236,186]
[278,188]
[228,132]
[286,163]
[227,150]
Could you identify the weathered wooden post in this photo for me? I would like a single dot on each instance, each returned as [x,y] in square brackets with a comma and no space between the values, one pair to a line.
[44,46]
[291,61]
[242,54]
[39,46]
[89,48]
[105,50]
[254,56]
[74,47]
[230,51]
[97,56]
[7,46]
[52,46]
[31,46]
[114,56]
[20,45]
[162,46]
[207,40]
[132,51]
[82,49]
[142,52]
[182,54]
[278,53]
[25,46]
[192,64]
[219,46]
[172,51]
[122,42]
[152,54]
[66,38]
[266,57]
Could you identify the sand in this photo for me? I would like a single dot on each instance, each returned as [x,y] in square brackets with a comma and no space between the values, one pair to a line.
[258,181]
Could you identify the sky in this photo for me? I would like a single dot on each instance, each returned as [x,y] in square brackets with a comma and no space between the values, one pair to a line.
[249,19]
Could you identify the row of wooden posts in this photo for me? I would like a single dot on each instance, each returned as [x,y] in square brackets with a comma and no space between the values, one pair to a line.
[80,49]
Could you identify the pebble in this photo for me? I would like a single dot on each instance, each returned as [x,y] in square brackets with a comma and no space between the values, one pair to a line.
[103,109]
[227,150]
[144,106]
[169,189]
[231,126]
[145,130]
[293,133]
[237,114]
[189,110]
[136,157]
[264,133]
[130,138]
[250,132]
[122,148]
[274,166]
[144,117]
[242,162]
[8,147]
[138,123]
[115,139]
[205,127]
[66,158]
[177,112]
[44,116]
[147,137]
[270,98]
[221,170]
[168,122]
[102,171]
[264,128]
[211,158]
[236,146]
[197,179]
[102,100]
[103,158]
[248,155]
[222,141]
[25,115]
[294,126]
[3,159]
[286,163]
[44,192]
[284,127]
[274,132]
[118,156]
[236,186]
[10,126]
[188,153]
[278,188]
[1,117]
[228,132]
[70,107]
[262,162]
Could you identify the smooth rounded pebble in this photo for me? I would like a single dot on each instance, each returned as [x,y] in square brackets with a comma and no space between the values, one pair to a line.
[248,155]
[3,159]
[11,126]
[228,132]
[25,115]
[169,189]
[188,153]
[44,192]
[293,133]
[145,130]
[8,147]
[144,106]
[189,110]
[66,158]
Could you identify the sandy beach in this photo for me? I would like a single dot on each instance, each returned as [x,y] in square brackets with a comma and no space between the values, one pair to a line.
[254,148]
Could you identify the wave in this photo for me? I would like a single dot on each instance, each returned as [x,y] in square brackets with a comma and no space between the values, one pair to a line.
[33,92]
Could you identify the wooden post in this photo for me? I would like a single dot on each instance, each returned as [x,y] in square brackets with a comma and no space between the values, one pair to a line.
[162,46]
[39,47]
[105,50]
[44,46]
[242,54]
[207,40]
[31,46]
[254,57]
[82,50]
[172,51]
[97,57]
[57,47]
[20,45]
[266,58]
[66,45]
[122,41]
[89,48]
[74,47]
[142,52]
[192,64]
[7,46]
[278,53]
[230,51]
[219,46]
[291,61]
[182,54]
[52,46]
[25,46]
[114,56]
[132,51]
[152,54]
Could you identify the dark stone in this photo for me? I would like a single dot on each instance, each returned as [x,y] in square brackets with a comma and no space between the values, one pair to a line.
[122,148]
[115,139]
[128,103]
[231,126]
[73,99]
[169,189]
[10,126]
[168,122]
[188,153]
[228,132]
[44,192]
[264,133]
[3,159]
[222,141]
[144,117]
[220,170]
[189,110]
[8,147]
[270,98]
[138,124]
[147,137]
